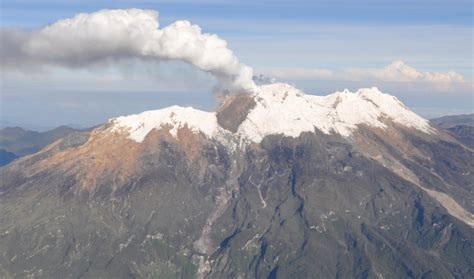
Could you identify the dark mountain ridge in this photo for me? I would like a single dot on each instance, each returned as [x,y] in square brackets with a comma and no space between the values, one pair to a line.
[450,121]
[21,142]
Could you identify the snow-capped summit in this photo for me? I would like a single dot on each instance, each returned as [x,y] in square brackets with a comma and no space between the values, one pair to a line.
[283,109]
[280,108]
[139,125]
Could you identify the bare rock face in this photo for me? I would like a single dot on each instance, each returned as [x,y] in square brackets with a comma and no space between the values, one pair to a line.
[234,111]
[195,201]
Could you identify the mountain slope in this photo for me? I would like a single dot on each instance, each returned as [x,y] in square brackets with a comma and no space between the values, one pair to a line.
[450,121]
[274,184]
[460,126]
[464,134]
[22,142]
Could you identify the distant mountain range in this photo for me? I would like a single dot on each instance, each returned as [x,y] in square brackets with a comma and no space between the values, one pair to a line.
[16,142]
[274,184]
[450,121]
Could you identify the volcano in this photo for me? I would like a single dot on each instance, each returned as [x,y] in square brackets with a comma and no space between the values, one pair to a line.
[274,184]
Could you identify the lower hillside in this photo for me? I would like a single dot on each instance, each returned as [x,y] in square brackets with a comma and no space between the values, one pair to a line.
[316,206]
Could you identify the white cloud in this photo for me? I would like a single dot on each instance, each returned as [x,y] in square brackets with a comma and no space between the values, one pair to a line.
[107,36]
[450,76]
[399,71]
[395,72]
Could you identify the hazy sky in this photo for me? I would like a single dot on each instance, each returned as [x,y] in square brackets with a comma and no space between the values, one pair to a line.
[420,51]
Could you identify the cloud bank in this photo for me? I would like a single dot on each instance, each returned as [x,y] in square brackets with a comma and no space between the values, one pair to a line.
[399,71]
[107,36]
[395,72]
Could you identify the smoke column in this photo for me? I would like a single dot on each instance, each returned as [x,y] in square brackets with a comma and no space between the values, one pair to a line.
[110,35]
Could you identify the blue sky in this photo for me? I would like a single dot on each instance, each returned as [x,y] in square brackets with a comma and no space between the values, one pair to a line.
[343,43]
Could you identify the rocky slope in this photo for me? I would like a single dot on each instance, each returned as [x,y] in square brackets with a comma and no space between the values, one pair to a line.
[460,126]
[463,133]
[275,184]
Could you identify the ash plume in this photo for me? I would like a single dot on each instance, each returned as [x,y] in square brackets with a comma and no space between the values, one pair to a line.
[109,35]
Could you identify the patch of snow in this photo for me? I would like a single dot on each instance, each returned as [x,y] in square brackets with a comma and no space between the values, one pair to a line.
[139,125]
